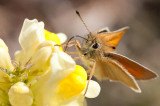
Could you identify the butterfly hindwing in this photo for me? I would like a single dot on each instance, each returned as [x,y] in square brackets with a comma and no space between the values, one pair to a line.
[108,68]
[138,71]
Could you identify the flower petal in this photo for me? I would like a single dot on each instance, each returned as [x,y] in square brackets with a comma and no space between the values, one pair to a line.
[24,55]
[62,37]
[5,65]
[40,60]
[78,100]
[3,45]
[5,60]
[93,89]
[4,101]
[52,37]
[20,95]
[32,33]
[62,65]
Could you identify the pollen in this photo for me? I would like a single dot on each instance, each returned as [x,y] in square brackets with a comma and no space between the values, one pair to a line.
[73,84]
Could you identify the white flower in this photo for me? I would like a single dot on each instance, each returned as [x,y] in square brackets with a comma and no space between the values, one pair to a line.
[42,73]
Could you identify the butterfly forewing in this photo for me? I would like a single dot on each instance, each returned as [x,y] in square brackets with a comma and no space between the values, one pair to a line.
[111,39]
[138,71]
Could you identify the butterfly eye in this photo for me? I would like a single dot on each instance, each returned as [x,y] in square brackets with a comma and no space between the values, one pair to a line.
[95,45]
[85,54]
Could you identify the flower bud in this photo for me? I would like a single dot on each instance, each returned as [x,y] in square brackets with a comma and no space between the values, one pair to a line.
[20,95]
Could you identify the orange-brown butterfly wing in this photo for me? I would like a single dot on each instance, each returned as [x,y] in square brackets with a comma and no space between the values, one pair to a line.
[111,39]
[138,71]
[108,68]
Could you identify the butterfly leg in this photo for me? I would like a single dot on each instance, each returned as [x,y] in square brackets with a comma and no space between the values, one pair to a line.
[91,74]
[77,44]
[70,52]
[67,45]
[76,58]
[73,43]
[88,72]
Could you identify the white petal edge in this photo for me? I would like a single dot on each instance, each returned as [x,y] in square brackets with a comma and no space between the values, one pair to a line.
[78,100]
[3,45]
[62,37]
[5,60]
[61,64]
[31,33]
[93,89]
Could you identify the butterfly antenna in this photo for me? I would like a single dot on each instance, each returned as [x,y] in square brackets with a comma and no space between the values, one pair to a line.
[77,12]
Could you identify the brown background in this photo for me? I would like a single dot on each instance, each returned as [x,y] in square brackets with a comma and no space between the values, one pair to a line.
[141,42]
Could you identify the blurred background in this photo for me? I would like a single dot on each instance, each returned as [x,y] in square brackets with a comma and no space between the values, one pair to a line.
[141,42]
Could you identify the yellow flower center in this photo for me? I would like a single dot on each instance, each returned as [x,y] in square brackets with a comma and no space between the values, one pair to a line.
[73,84]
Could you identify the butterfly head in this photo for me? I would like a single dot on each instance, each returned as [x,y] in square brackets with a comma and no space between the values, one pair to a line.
[90,47]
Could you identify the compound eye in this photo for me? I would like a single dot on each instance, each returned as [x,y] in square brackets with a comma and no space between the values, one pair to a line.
[95,45]
[85,54]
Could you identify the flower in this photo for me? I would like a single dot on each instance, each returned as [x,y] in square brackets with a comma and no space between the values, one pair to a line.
[42,74]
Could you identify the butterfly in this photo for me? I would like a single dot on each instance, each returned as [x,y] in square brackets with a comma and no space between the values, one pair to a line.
[98,54]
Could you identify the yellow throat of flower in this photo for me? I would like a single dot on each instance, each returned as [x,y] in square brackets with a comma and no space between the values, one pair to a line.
[52,37]
[73,84]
